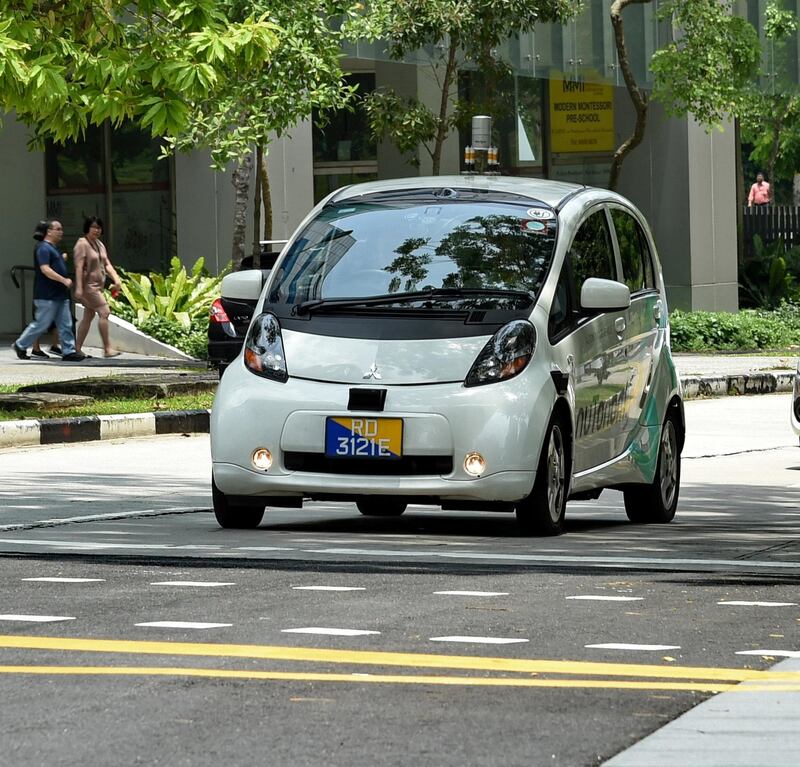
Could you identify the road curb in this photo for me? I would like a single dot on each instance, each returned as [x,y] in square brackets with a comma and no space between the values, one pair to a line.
[49,431]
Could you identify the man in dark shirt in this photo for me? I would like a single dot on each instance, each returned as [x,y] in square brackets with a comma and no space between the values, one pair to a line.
[50,298]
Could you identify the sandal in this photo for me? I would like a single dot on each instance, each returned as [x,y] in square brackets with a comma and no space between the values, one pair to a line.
[111,354]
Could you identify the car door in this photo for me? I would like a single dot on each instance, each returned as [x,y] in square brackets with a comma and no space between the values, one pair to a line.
[642,317]
[601,373]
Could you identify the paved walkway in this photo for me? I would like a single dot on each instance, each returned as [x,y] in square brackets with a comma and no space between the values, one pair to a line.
[16,371]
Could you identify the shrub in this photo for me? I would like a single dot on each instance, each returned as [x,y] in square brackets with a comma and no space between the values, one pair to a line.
[770,276]
[172,308]
[193,342]
[178,296]
[749,329]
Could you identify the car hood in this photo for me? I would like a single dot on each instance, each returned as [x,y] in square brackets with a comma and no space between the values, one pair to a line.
[378,361]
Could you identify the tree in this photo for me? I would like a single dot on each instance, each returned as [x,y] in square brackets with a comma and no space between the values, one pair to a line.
[771,117]
[704,71]
[65,64]
[255,100]
[457,32]
[222,74]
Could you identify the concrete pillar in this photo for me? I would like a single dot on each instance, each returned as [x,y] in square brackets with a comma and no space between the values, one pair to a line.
[22,201]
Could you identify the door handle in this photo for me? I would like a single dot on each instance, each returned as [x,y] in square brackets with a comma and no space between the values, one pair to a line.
[619,325]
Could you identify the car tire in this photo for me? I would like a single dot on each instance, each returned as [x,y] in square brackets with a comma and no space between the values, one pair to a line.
[233,516]
[543,511]
[221,368]
[380,506]
[656,503]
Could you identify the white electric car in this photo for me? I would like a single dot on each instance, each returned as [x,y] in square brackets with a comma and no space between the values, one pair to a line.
[469,342]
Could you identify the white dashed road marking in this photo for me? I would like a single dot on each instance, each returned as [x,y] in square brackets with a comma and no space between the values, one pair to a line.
[739,603]
[330,632]
[479,640]
[622,646]
[774,653]
[601,598]
[36,618]
[193,583]
[329,588]
[66,580]
[473,593]
[184,625]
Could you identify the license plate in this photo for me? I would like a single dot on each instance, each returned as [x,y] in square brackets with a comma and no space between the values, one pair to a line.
[363,437]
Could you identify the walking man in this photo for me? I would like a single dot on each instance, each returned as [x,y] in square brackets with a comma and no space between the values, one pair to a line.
[759,192]
[51,288]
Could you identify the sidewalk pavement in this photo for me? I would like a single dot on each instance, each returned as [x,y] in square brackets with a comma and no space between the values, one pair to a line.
[702,375]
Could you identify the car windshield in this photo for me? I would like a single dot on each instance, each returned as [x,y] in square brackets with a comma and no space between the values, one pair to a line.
[455,253]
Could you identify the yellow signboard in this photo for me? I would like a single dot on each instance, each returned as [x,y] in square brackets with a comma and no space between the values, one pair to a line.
[581,116]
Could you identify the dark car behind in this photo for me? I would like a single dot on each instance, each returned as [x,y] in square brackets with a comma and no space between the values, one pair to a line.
[229,318]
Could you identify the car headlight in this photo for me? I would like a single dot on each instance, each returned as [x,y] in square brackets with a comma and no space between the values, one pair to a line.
[263,350]
[505,355]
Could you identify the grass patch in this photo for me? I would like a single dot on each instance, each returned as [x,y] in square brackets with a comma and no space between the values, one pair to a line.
[115,406]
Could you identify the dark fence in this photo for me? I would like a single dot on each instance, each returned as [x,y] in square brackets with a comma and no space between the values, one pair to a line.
[770,223]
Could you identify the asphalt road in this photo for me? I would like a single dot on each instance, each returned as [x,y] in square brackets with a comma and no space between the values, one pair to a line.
[145,634]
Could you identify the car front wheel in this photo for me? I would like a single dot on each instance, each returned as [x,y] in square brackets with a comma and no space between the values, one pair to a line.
[380,507]
[234,516]
[542,512]
[656,503]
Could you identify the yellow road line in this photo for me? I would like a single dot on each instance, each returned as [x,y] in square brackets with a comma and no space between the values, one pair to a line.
[290,676]
[409,660]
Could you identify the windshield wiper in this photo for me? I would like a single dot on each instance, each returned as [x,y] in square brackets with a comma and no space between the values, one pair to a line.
[324,304]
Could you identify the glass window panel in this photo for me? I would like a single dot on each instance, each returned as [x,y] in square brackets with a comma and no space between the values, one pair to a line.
[343,135]
[325,183]
[76,167]
[630,249]
[591,252]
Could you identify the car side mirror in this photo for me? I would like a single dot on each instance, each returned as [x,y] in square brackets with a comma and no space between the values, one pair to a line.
[599,295]
[247,284]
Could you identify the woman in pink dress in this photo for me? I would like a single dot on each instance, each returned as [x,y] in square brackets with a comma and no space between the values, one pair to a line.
[92,264]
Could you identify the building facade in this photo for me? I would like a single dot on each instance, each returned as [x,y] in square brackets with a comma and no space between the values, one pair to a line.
[566,111]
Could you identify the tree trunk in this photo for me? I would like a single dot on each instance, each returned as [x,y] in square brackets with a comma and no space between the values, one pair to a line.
[442,129]
[638,97]
[241,185]
[257,210]
[266,196]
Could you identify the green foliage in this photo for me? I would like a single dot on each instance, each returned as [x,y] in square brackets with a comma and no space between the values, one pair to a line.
[770,114]
[452,33]
[178,296]
[746,330]
[705,71]
[172,308]
[770,276]
[255,99]
[64,66]
[193,341]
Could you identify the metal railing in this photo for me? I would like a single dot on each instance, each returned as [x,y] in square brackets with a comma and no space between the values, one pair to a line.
[18,278]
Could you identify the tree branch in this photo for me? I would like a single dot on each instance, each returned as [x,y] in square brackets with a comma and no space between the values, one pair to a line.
[638,96]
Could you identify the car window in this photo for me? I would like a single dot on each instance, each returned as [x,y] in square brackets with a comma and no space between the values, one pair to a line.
[379,246]
[637,269]
[591,252]
[560,320]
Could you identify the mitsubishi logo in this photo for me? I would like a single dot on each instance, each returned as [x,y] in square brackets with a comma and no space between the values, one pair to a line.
[373,373]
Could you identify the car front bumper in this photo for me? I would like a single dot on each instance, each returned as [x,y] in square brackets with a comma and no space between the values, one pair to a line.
[504,422]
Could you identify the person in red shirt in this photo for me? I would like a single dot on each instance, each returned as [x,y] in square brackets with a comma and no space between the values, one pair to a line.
[759,192]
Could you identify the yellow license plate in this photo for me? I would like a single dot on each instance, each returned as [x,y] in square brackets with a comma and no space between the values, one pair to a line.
[363,437]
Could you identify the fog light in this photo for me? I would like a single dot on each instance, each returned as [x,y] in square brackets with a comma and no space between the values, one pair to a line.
[262,459]
[475,464]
